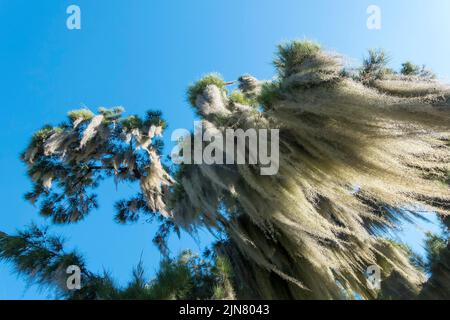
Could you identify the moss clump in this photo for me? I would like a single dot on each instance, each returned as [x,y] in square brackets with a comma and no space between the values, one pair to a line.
[84,114]
[197,88]
[293,54]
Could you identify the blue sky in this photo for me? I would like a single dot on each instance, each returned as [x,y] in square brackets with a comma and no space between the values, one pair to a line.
[142,54]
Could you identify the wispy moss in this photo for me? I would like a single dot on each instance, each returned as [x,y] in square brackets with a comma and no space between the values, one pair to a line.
[293,54]
[197,88]
[415,259]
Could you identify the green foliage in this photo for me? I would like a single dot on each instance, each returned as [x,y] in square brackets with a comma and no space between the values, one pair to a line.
[43,134]
[112,114]
[131,122]
[67,163]
[154,118]
[270,93]
[177,190]
[437,250]
[197,88]
[238,97]
[293,54]
[435,245]
[377,59]
[223,267]
[77,158]
[375,65]
[186,277]
[41,258]
[80,114]
[410,69]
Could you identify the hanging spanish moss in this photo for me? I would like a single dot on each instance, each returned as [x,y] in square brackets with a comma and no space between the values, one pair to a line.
[357,152]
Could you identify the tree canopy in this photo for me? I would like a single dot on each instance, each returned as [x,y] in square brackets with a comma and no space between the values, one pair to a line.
[359,151]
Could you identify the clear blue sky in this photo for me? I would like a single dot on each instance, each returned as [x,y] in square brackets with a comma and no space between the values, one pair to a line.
[142,54]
